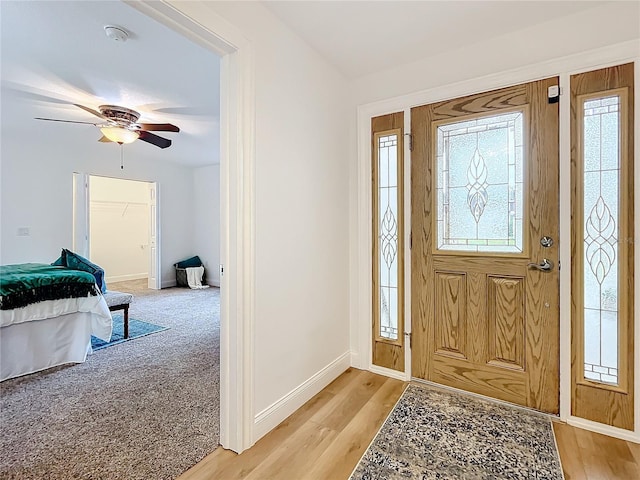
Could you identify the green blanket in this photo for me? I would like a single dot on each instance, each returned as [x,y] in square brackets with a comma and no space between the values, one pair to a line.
[27,283]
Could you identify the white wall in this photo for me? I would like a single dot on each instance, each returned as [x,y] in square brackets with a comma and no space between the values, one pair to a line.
[301,284]
[37,191]
[206,225]
[590,29]
[119,227]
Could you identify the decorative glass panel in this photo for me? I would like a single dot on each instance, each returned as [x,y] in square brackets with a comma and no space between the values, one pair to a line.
[480,184]
[388,235]
[601,160]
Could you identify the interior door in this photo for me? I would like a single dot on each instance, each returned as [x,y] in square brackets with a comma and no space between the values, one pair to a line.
[81,214]
[154,280]
[485,306]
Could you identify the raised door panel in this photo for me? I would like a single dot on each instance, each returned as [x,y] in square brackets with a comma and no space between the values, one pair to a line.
[451,312]
[506,322]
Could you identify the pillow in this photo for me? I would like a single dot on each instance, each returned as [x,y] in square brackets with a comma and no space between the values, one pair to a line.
[76,262]
[190,262]
[59,262]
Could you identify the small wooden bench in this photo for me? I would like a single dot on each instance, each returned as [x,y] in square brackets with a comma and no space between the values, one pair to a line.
[119,301]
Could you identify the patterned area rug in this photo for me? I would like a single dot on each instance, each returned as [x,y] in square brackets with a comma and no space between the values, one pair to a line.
[137,328]
[437,434]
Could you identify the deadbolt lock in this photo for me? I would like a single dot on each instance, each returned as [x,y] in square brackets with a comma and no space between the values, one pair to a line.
[546,242]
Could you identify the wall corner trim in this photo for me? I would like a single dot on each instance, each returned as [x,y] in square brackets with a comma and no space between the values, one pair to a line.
[272,416]
[355,360]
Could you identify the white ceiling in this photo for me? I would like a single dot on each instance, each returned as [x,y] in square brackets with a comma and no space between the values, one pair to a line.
[56,53]
[362,37]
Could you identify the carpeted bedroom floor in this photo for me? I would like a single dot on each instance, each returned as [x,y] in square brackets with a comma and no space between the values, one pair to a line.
[144,409]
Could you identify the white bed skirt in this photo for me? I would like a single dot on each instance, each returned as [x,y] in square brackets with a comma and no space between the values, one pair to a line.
[33,346]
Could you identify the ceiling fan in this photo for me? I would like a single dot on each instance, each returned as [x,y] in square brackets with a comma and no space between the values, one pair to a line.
[121,125]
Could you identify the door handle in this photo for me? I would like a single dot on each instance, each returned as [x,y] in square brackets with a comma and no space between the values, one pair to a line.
[544,266]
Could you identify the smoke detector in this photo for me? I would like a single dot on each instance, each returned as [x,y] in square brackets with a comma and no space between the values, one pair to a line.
[116,33]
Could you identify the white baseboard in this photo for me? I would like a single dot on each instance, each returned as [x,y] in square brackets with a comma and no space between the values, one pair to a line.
[388,372]
[173,283]
[596,427]
[272,416]
[124,278]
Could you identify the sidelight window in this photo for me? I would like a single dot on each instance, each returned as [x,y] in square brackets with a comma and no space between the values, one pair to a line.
[601,165]
[388,173]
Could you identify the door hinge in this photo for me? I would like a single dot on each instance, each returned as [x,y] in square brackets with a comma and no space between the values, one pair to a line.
[408,334]
[410,141]
[221,270]
[558,265]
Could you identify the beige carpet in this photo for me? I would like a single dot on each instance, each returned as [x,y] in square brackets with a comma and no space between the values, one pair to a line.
[144,409]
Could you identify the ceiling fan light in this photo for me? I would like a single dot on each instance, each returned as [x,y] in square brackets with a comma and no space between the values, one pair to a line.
[119,134]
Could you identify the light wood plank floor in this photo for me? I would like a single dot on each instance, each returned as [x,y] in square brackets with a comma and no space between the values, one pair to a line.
[326,437]
[591,456]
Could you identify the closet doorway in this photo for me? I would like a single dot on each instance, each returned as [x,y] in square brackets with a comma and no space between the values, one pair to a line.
[116,225]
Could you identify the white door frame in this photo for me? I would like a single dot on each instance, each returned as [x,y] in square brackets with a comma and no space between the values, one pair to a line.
[81,214]
[82,222]
[237,216]
[154,278]
[361,282]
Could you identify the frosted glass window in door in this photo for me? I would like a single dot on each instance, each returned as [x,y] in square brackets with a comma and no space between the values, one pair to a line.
[479,184]
[387,216]
[601,193]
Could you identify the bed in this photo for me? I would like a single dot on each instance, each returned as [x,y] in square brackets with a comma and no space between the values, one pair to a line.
[47,316]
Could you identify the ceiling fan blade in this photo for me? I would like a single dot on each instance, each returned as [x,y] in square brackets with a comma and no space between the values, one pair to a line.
[154,139]
[64,121]
[158,127]
[92,111]
[104,139]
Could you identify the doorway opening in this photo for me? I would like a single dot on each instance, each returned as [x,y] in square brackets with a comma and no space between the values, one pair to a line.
[124,236]
[237,215]
[122,229]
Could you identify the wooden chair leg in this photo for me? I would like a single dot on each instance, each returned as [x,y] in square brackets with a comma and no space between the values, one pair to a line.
[126,322]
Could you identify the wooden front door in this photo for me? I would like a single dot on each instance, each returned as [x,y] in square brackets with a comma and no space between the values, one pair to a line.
[484,259]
